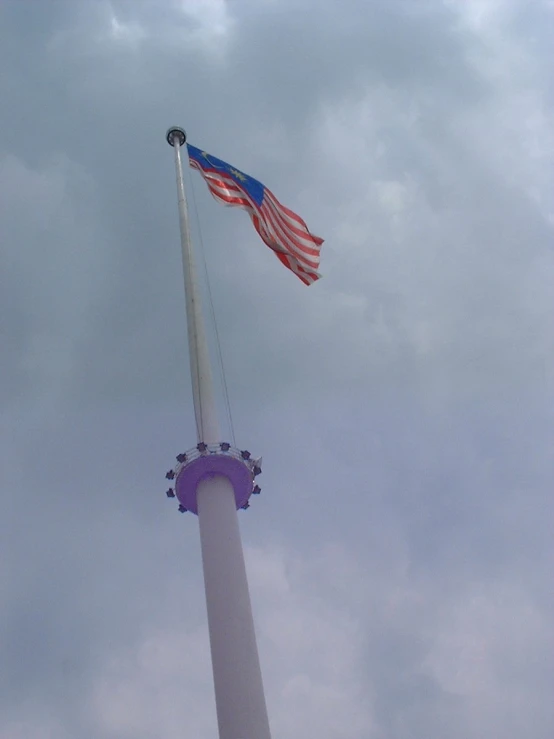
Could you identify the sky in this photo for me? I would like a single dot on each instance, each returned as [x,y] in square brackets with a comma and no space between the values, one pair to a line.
[399,554]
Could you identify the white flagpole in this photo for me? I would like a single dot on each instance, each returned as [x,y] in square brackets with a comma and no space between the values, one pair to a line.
[200,370]
[214,484]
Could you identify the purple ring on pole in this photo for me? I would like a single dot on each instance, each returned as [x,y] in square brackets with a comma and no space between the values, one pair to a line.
[209,463]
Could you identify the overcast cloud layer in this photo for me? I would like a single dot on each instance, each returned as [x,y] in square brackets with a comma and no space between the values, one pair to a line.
[399,555]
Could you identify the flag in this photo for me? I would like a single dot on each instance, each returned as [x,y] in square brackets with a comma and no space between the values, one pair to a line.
[280,228]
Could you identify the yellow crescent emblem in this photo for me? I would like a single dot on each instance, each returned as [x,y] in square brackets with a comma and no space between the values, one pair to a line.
[207,158]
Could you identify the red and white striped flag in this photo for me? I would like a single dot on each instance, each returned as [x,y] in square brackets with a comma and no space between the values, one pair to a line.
[281,229]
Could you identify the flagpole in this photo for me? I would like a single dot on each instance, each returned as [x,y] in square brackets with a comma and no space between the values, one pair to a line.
[214,480]
[202,386]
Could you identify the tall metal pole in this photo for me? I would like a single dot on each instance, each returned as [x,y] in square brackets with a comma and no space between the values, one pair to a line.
[200,370]
[213,482]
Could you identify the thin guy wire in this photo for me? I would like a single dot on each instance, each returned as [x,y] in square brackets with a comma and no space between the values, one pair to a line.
[212,311]
[200,416]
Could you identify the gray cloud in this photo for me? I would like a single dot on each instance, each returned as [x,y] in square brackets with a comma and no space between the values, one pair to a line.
[399,554]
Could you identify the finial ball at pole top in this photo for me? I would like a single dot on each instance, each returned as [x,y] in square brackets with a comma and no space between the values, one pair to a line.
[176,132]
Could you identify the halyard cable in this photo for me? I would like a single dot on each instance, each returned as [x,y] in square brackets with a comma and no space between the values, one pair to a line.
[214,321]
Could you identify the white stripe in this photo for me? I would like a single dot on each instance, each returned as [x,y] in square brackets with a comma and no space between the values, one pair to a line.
[297,245]
[273,223]
[294,218]
[279,235]
[300,225]
[309,277]
[281,219]
[272,228]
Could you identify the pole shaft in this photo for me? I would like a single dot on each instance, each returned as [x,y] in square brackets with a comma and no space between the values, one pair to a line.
[239,691]
[202,384]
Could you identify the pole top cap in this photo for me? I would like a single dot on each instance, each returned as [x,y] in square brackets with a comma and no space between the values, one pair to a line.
[176,132]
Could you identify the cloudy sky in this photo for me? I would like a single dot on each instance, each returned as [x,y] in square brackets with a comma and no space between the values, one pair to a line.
[399,553]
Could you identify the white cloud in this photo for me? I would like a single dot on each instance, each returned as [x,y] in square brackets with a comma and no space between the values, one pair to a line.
[320,619]
[212,16]
[311,655]
[159,687]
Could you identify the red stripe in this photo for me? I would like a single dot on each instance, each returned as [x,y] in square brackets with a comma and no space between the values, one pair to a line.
[293,234]
[281,229]
[286,229]
[307,277]
[288,241]
[295,217]
[292,242]
[274,223]
[286,258]
[302,232]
